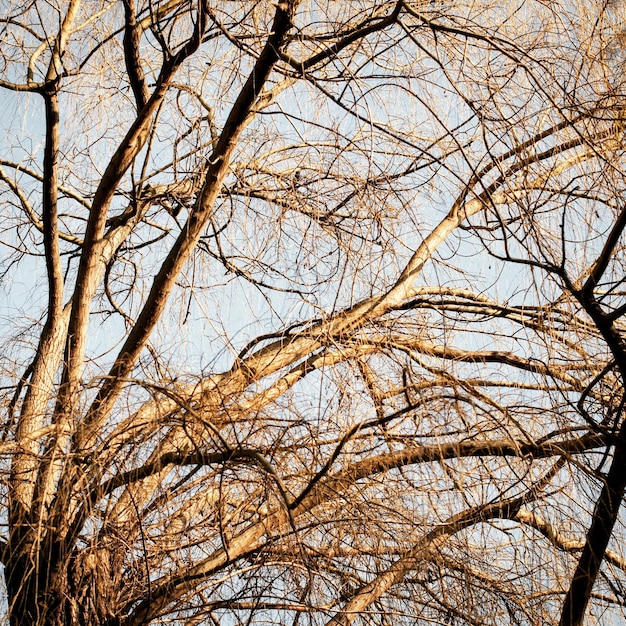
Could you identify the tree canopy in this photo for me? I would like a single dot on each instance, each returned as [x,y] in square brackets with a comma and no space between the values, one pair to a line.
[312,312]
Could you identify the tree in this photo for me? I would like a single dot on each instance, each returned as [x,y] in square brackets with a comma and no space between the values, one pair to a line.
[333,319]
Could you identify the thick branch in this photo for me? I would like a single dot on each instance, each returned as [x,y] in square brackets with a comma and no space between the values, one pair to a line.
[597,540]
[604,258]
[190,234]
[91,264]
[48,354]
[132,36]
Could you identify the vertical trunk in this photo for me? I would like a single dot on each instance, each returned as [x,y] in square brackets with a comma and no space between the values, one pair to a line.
[77,590]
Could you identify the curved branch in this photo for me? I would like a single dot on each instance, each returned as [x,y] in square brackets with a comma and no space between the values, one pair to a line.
[172,586]
[431,541]
[533,520]
[360,31]
[66,191]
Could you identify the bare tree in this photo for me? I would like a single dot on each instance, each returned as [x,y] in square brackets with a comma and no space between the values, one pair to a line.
[313,312]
